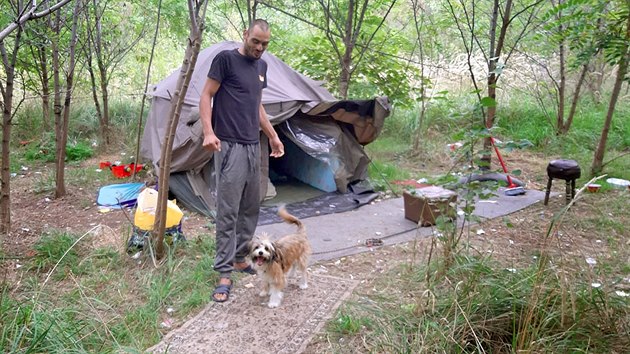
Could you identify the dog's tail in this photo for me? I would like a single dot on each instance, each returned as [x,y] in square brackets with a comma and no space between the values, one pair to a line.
[282,212]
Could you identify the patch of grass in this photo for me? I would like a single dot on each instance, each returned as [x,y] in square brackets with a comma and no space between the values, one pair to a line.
[52,249]
[105,301]
[485,308]
[348,324]
[45,151]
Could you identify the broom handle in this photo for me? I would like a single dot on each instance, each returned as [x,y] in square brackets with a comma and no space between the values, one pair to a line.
[502,163]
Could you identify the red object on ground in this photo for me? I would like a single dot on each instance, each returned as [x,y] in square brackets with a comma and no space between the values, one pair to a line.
[510,183]
[104,164]
[124,171]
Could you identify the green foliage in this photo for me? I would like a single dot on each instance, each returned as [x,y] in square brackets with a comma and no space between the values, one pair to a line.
[88,314]
[45,151]
[348,324]
[55,248]
[484,307]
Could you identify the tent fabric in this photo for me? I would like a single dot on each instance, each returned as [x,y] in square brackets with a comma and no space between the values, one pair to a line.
[329,130]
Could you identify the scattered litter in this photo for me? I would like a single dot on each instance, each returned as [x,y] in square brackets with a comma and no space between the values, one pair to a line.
[511,270]
[24,168]
[460,213]
[511,242]
[249,285]
[332,205]
[18,266]
[454,146]
[26,229]
[591,261]
[92,224]
[488,201]
[378,233]
[123,153]
[98,170]
[422,180]
[166,323]
[596,285]
[598,241]
[47,199]
[170,310]
[618,183]
[13,174]
[338,262]
[370,242]
[137,255]
[317,212]
[481,232]
[104,210]
[622,293]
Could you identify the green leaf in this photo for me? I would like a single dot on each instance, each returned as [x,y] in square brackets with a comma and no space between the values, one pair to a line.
[488,102]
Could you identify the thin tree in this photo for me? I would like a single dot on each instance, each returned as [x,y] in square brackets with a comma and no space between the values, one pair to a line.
[62,114]
[622,56]
[105,49]
[345,22]
[146,85]
[497,46]
[196,13]
[23,13]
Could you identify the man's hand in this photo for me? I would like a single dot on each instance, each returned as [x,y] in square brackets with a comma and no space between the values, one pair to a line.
[211,143]
[277,148]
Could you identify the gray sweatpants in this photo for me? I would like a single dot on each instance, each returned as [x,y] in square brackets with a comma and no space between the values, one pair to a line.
[238,202]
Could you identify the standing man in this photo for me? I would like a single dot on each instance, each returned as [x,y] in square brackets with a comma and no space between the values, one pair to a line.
[232,115]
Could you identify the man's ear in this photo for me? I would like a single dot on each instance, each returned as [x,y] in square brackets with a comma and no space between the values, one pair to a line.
[245,35]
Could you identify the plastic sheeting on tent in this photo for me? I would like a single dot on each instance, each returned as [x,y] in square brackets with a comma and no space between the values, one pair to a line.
[328,134]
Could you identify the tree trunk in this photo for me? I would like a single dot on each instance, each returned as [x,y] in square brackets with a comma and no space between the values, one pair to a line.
[563,79]
[97,102]
[105,126]
[188,65]
[62,124]
[576,98]
[5,174]
[486,158]
[598,158]
[45,89]
[346,60]
[102,72]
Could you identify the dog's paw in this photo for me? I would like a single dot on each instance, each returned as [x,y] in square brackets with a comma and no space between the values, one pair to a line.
[303,286]
[273,305]
[263,293]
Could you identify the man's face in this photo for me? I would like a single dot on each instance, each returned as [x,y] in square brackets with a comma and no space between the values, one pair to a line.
[255,42]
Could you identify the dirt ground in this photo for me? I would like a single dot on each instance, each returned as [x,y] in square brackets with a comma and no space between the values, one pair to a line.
[34,214]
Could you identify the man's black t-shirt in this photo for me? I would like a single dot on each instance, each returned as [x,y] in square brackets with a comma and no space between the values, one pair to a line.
[235,115]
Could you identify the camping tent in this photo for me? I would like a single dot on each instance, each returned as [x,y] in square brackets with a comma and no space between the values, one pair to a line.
[323,136]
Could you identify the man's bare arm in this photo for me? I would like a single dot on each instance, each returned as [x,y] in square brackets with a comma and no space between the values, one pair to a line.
[210,140]
[277,148]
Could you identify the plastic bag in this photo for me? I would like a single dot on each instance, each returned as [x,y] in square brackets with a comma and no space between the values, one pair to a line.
[145,213]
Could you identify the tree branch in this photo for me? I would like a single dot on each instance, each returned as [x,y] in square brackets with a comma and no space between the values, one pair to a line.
[366,45]
[30,15]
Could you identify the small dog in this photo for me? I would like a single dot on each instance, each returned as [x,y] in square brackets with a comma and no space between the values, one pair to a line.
[277,260]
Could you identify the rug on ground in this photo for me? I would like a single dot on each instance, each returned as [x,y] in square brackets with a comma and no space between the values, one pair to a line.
[244,324]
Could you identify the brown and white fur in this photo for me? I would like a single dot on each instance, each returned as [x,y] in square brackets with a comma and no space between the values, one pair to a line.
[276,260]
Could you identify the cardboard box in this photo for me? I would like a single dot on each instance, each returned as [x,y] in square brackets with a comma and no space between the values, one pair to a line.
[425,205]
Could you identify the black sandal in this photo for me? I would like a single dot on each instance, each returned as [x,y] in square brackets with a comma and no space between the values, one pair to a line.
[222,289]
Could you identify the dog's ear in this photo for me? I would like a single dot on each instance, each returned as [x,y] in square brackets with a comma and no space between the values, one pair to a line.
[276,254]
